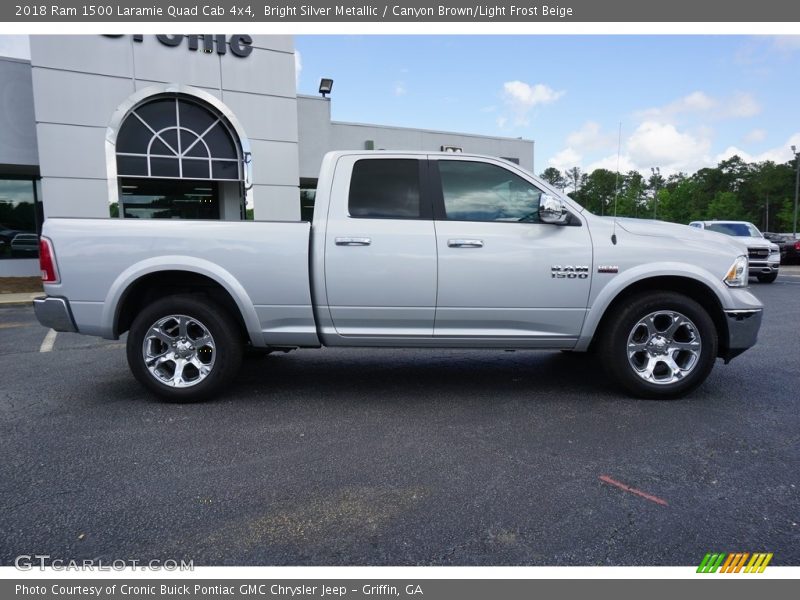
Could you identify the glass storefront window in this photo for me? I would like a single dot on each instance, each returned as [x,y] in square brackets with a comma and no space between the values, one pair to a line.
[307,197]
[178,158]
[18,237]
[168,199]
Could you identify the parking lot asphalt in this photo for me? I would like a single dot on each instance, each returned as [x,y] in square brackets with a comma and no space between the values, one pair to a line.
[399,457]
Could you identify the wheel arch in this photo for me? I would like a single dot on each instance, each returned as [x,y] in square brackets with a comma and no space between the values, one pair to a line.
[693,288]
[143,284]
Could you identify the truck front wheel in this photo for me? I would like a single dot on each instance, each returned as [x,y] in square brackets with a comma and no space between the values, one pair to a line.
[660,345]
[184,348]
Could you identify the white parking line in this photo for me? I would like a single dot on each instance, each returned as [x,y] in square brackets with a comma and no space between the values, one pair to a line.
[48,341]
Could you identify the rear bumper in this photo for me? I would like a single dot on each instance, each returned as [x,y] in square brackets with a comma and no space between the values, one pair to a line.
[743,326]
[54,312]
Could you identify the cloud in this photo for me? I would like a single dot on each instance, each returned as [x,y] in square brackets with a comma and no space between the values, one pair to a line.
[591,137]
[780,154]
[756,135]
[399,88]
[298,67]
[489,109]
[739,105]
[610,163]
[651,144]
[15,46]
[501,122]
[565,159]
[695,102]
[662,145]
[665,146]
[786,43]
[522,97]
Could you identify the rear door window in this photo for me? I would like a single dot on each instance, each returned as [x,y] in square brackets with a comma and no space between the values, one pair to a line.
[385,188]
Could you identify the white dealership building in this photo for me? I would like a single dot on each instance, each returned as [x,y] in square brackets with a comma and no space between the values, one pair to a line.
[174,126]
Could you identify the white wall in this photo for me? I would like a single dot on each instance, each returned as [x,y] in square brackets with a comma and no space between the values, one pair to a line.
[20,267]
[318,134]
[79,81]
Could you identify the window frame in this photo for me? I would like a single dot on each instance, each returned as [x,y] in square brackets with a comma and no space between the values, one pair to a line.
[425,205]
[437,190]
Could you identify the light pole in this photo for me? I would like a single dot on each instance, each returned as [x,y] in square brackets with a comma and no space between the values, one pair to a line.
[656,176]
[796,188]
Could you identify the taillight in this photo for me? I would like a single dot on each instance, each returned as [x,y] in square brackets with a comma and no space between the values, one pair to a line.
[47,261]
[797,246]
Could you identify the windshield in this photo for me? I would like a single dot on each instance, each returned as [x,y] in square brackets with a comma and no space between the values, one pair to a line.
[735,229]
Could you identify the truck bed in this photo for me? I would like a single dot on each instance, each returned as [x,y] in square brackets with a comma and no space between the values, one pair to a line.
[263,265]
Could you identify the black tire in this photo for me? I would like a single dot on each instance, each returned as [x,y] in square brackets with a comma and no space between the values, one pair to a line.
[613,345]
[203,314]
[768,278]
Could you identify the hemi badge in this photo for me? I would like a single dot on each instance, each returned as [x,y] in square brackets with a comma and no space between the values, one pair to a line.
[608,269]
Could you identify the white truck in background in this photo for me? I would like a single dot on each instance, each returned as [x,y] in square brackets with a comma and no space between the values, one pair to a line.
[405,250]
[763,256]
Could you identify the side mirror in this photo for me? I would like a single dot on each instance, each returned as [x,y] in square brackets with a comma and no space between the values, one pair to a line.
[552,210]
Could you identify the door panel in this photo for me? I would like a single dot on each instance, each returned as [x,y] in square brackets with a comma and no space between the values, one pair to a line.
[380,273]
[496,261]
[505,287]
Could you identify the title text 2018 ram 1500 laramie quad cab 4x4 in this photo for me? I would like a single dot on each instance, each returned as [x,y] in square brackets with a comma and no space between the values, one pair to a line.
[405,250]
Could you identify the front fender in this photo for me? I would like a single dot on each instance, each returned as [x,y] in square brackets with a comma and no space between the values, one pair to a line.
[604,293]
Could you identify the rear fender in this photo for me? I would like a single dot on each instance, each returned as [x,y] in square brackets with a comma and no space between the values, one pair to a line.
[181,263]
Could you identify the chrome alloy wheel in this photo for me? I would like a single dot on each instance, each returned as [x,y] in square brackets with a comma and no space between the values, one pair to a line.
[664,347]
[179,351]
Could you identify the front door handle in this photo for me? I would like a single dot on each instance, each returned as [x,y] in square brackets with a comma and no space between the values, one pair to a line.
[465,243]
[353,241]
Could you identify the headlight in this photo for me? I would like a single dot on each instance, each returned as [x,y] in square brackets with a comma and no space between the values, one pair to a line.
[737,274]
[774,249]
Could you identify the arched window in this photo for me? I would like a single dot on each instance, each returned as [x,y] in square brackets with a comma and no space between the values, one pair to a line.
[177,138]
[177,157]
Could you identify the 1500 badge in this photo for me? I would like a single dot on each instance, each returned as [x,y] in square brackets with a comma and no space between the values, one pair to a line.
[569,272]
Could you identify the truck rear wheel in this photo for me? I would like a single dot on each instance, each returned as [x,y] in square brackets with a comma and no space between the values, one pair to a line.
[661,345]
[184,348]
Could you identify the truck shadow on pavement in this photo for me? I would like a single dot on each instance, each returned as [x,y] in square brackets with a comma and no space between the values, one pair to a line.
[424,374]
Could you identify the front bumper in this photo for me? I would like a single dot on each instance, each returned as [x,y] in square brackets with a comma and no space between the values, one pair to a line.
[743,326]
[54,312]
[763,266]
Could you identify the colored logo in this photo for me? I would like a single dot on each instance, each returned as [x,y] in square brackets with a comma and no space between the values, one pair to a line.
[734,562]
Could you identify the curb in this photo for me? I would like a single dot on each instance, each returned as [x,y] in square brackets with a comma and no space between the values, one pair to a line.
[25,299]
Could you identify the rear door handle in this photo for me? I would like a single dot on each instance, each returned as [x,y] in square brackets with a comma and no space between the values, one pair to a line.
[353,241]
[465,243]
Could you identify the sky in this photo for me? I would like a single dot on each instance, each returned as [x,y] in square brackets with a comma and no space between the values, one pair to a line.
[683,102]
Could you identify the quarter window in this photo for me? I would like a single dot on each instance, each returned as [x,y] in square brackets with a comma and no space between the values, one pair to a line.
[475,191]
[385,188]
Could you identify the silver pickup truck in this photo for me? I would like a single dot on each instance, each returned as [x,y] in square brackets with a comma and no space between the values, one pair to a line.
[405,250]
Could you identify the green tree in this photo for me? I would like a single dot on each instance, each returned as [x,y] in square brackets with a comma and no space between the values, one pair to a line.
[573,178]
[734,189]
[631,194]
[725,206]
[554,177]
[598,191]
